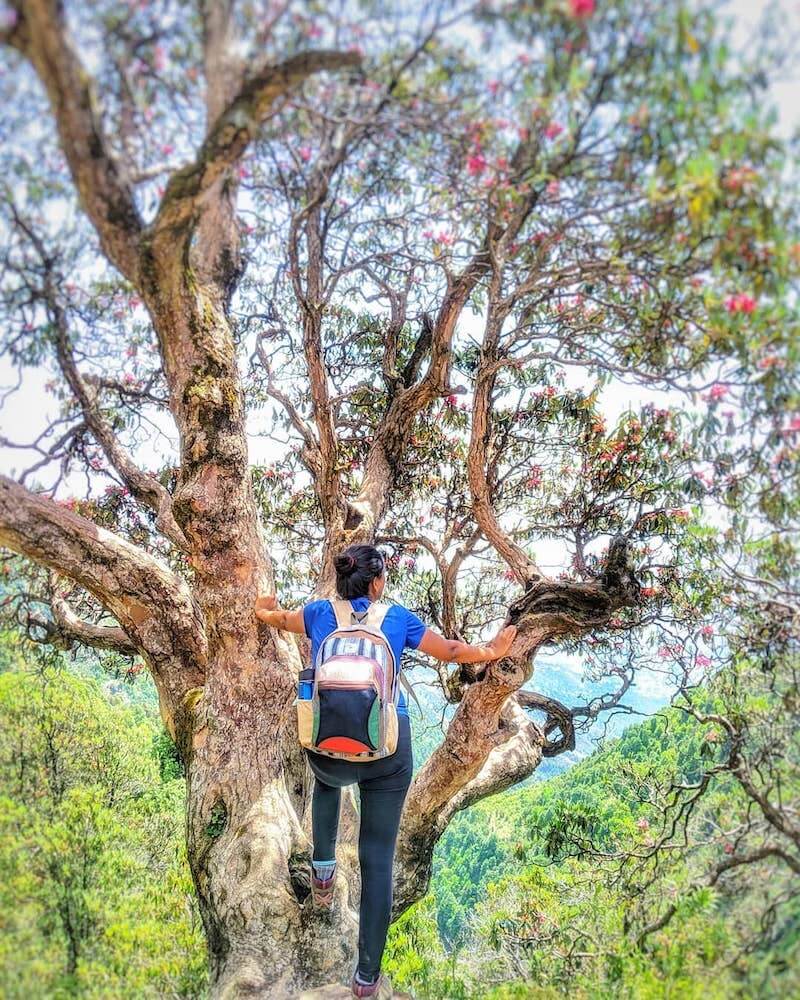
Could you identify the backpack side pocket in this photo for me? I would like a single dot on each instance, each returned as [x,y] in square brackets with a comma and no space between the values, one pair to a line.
[305,721]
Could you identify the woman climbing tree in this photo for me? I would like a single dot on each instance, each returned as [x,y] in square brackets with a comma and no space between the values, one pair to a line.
[383,783]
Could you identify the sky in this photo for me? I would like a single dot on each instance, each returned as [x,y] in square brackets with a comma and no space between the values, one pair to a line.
[25,413]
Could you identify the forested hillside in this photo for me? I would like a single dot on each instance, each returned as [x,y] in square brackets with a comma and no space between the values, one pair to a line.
[535,891]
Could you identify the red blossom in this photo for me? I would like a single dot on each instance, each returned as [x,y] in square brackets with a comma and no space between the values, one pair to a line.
[553,129]
[717,391]
[476,164]
[740,303]
[581,8]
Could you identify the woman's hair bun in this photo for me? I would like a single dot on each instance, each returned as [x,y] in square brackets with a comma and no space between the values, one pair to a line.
[344,564]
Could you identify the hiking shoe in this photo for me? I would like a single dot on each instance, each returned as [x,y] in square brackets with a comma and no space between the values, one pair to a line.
[322,891]
[381,989]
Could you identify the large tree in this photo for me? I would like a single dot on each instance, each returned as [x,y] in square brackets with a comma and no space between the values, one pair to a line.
[380,236]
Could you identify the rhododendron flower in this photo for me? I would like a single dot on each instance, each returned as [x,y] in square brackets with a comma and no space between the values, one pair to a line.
[476,164]
[167,149]
[535,477]
[707,631]
[581,8]
[794,426]
[553,130]
[702,661]
[304,152]
[717,391]
[649,591]
[493,86]
[729,848]
[740,303]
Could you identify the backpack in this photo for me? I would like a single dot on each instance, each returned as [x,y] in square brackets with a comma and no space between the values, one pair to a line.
[352,689]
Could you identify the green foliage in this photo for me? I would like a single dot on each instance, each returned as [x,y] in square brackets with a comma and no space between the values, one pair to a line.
[95,893]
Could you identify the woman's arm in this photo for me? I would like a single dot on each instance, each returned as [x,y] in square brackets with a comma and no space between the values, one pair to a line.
[453,651]
[267,610]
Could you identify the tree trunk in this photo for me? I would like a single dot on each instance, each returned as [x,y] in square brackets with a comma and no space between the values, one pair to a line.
[249,838]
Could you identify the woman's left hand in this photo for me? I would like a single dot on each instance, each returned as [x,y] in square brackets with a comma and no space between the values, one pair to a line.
[267,603]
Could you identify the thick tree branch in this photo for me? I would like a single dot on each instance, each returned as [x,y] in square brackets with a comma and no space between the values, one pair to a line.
[67,628]
[237,125]
[102,185]
[559,717]
[152,604]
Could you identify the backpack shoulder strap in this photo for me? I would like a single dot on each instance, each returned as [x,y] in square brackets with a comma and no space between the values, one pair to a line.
[343,611]
[376,612]
[409,687]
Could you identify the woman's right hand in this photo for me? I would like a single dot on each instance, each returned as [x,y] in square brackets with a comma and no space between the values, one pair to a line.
[501,643]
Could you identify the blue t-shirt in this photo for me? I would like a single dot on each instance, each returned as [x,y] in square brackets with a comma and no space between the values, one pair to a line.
[400,626]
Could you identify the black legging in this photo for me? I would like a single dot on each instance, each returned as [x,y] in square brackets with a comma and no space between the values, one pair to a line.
[383,785]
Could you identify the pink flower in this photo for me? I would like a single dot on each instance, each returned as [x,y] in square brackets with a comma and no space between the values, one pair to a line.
[717,391]
[740,303]
[794,426]
[649,591]
[304,152]
[476,164]
[313,31]
[535,477]
[707,631]
[642,824]
[702,661]
[552,188]
[167,149]
[553,130]
[581,8]
[729,848]
[493,86]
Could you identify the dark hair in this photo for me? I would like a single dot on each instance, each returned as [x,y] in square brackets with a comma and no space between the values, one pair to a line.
[356,568]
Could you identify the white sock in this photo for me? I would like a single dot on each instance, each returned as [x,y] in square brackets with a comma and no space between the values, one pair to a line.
[323,869]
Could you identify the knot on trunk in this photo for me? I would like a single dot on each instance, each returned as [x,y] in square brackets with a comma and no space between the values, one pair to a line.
[618,578]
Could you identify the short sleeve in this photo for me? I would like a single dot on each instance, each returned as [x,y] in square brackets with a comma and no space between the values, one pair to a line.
[310,613]
[415,629]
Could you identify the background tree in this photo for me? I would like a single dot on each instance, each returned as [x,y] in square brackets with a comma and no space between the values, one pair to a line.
[383,211]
